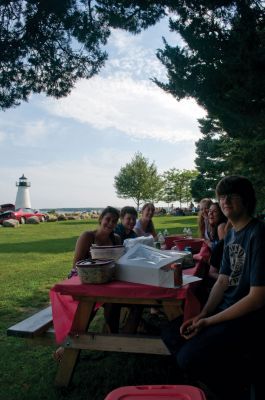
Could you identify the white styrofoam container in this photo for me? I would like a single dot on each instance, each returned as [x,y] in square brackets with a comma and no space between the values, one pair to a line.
[148,265]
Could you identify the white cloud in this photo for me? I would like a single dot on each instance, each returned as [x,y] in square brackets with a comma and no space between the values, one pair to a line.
[123,98]
[30,134]
[138,108]
[131,59]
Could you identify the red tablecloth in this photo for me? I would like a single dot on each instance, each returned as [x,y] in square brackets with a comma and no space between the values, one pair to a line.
[64,306]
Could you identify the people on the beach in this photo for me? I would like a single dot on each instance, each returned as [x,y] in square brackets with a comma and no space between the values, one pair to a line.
[144,226]
[211,345]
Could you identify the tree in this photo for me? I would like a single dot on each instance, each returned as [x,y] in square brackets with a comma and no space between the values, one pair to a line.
[139,181]
[46,45]
[179,184]
[223,55]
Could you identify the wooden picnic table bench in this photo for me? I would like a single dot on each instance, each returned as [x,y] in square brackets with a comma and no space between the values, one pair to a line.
[37,327]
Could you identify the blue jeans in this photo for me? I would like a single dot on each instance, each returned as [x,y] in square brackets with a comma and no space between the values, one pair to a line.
[218,353]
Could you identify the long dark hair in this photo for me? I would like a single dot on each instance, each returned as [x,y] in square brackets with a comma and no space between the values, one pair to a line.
[213,230]
[110,210]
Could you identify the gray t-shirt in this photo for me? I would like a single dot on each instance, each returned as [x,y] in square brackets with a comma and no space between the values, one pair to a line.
[243,261]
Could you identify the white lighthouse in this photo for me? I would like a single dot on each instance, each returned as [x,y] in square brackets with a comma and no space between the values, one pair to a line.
[23,198]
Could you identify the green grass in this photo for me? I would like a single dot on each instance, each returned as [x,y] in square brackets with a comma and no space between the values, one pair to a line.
[33,259]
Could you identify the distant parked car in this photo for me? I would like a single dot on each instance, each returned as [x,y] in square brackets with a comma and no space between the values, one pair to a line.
[7,207]
[22,214]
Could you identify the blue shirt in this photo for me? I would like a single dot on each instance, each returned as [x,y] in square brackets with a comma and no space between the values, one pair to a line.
[243,261]
[120,230]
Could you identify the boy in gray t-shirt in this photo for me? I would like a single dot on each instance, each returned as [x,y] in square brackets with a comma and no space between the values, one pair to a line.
[211,345]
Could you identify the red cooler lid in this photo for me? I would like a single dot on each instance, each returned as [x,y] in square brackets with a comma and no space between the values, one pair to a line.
[157,392]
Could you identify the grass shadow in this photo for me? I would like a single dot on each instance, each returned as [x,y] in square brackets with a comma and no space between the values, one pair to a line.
[54,246]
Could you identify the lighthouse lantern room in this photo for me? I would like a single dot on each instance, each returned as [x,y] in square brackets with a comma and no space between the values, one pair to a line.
[23,198]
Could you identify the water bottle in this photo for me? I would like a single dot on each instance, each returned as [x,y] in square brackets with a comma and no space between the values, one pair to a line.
[185,231]
[165,233]
[160,239]
[189,233]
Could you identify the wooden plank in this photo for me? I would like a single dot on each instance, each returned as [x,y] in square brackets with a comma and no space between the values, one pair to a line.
[46,338]
[71,355]
[119,343]
[157,302]
[32,326]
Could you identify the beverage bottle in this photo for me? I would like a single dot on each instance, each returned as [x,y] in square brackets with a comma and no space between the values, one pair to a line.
[189,233]
[178,278]
[165,233]
[160,239]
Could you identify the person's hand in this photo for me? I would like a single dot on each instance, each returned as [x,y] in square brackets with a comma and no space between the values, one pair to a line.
[192,326]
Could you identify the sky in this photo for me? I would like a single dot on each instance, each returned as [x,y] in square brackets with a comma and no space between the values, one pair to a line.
[72,148]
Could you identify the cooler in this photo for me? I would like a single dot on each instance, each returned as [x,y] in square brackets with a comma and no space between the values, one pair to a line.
[169,240]
[157,392]
[195,244]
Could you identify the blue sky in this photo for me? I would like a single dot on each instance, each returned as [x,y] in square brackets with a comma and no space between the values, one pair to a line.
[71,149]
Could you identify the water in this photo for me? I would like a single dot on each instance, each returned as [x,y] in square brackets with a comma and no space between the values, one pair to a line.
[72,210]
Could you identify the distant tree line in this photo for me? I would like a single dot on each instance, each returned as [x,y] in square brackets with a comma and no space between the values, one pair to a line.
[140,181]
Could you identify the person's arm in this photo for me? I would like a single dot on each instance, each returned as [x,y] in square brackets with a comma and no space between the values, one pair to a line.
[153,231]
[215,296]
[138,228]
[192,326]
[82,247]
[221,230]
[253,301]
[213,272]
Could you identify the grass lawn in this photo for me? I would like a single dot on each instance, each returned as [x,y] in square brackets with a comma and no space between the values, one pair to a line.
[33,259]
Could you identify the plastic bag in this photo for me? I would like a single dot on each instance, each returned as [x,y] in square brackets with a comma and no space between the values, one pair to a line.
[147,240]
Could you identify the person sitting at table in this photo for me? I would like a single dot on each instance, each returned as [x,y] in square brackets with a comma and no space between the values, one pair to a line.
[210,345]
[144,226]
[218,228]
[217,225]
[104,235]
[124,229]
[204,206]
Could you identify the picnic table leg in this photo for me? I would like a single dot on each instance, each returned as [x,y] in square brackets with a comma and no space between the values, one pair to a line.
[70,356]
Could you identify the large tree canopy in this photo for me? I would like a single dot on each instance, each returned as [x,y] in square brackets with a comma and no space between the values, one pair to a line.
[46,45]
[221,65]
[222,62]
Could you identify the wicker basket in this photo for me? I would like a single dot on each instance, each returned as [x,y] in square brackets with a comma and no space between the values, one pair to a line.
[106,252]
[95,271]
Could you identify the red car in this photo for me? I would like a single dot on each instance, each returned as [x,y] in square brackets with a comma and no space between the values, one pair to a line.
[22,214]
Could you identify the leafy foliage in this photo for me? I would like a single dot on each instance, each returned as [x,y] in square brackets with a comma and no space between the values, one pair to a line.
[177,185]
[219,155]
[221,65]
[46,45]
[223,55]
[139,181]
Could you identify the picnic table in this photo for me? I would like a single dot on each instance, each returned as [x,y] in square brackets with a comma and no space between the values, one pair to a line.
[67,320]
[73,304]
